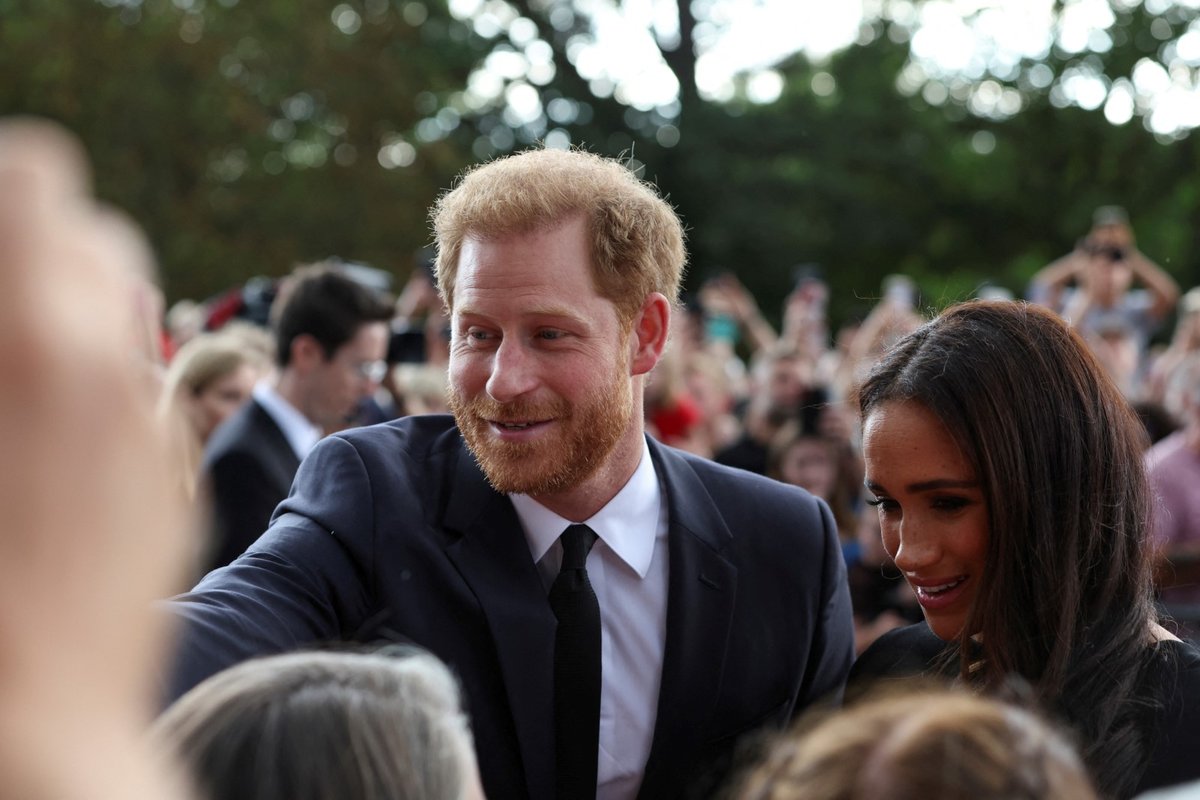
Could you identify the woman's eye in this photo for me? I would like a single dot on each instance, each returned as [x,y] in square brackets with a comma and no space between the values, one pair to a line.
[950,503]
[882,503]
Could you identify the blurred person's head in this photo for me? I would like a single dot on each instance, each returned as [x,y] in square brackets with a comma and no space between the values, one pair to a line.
[1158,422]
[782,377]
[331,335]
[1183,392]
[325,726]
[922,745]
[708,382]
[1187,327]
[420,388]
[184,320]
[1110,227]
[1109,275]
[210,377]
[801,454]
[635,240]
[803,458]
[253,338]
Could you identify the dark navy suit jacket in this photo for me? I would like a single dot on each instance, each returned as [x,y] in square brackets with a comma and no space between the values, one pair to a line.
[247,469]
[392,532]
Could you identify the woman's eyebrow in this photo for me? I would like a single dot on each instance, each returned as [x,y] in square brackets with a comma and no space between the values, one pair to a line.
[931,485]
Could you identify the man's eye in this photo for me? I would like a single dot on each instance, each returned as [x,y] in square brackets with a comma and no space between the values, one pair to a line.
[550,334]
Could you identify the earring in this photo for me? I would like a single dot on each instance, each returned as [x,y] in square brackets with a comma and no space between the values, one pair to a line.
[883,571]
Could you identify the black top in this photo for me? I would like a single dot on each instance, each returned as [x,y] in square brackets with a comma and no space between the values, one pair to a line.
[1174,678]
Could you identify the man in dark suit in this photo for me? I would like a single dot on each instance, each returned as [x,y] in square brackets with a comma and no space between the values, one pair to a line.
[331,336]
[685,605]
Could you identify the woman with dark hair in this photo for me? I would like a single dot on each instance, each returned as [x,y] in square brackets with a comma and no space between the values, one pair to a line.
[1007,471]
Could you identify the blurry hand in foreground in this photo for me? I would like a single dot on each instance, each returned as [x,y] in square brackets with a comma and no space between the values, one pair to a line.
[92,531]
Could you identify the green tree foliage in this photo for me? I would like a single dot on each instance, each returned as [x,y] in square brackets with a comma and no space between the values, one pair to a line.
[855,170]
[850,172]
[246,137]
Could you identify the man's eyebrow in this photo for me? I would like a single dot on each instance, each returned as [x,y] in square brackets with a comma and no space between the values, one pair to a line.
[551,312]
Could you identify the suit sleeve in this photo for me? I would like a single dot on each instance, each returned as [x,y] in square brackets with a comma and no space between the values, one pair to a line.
[832,650]
[304,582]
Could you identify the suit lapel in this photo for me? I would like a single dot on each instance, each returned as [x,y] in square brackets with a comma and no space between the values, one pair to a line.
[276,449]
[702,587]
[493,558]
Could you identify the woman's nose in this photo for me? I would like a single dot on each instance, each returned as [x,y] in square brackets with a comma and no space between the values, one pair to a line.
[917,549]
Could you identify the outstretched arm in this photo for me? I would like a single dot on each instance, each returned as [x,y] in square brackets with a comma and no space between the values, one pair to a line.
[1048,282]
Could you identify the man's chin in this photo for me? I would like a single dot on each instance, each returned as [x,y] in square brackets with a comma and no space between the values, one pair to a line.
[511,475]
[533,469]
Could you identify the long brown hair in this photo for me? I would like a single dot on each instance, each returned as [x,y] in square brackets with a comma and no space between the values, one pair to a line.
[1066,601]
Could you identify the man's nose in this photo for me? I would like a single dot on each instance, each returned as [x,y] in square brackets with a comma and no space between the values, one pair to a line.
[514,371]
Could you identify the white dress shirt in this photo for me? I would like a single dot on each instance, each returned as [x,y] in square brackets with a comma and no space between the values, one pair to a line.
[301,434]
[627,567]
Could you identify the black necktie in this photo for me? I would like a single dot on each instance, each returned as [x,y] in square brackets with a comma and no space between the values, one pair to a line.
[576,669]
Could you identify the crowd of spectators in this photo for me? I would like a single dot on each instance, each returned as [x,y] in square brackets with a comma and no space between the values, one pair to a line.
[733,388]
[780,402]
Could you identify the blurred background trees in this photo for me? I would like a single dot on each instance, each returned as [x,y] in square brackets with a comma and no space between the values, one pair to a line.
[248,136]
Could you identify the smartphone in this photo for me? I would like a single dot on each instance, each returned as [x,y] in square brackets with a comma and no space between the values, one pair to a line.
[900,291]
[721,328]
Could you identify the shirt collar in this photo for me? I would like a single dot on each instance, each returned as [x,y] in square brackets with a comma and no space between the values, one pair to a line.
[301,434]
[628,524]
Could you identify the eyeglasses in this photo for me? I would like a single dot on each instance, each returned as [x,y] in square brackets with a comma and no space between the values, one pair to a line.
[374,371]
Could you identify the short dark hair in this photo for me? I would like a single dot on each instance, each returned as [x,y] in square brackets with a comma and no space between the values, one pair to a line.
[322,302]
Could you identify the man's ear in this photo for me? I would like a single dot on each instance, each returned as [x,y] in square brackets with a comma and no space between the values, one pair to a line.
[307,352]
[651,328]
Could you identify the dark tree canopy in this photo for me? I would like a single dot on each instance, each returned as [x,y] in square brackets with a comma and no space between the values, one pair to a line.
[249,136]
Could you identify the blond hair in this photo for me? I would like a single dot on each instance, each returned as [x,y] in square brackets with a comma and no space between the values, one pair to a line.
[636,240]
[922,744]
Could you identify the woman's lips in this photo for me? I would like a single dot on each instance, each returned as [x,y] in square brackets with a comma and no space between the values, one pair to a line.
[938,594]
